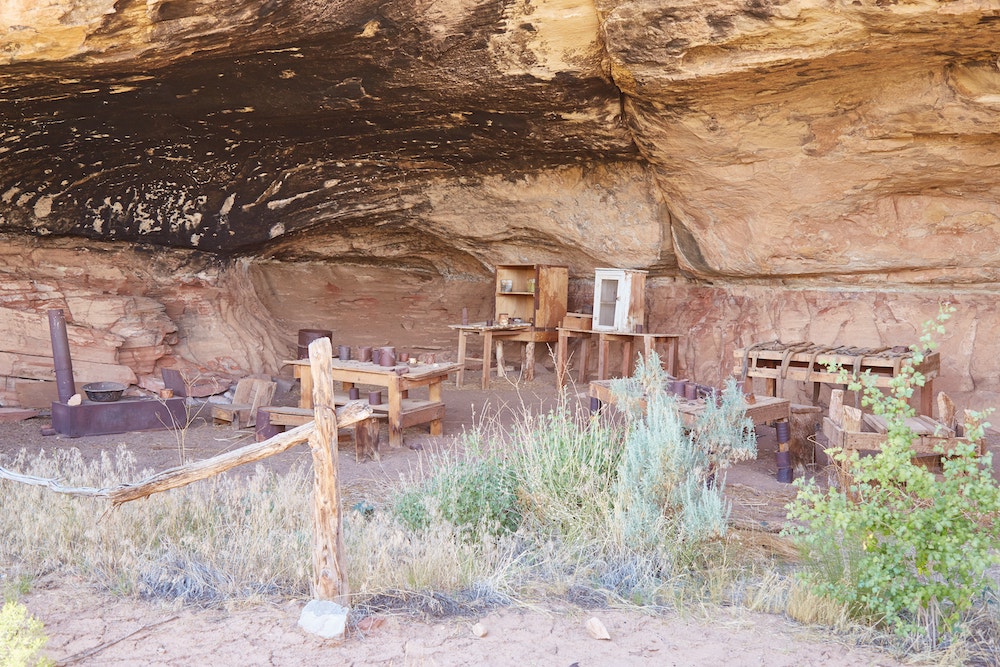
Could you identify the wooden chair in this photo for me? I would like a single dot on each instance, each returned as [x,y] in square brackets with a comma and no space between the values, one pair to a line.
[251,394]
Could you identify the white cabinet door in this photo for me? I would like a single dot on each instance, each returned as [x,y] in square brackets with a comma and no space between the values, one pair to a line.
[611,290]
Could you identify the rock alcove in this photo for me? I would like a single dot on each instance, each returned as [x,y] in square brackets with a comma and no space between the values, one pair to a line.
[194,181]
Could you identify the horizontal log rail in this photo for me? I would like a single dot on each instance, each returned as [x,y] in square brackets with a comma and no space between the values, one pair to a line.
[183,475]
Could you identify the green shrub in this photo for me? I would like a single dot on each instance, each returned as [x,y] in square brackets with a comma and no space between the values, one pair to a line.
[472,495]
[901,546]
[668,485]
[22,637]
[565,462]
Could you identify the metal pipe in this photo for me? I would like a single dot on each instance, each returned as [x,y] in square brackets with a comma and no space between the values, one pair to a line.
[60,355]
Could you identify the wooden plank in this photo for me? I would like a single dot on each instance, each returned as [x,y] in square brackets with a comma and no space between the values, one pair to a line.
[875,424]
[837,406]
[946,409]
[36,394]
[852,419]
[16,414]
[551,296]
[920,425]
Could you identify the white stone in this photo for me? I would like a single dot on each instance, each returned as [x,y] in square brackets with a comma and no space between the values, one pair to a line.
[325,619]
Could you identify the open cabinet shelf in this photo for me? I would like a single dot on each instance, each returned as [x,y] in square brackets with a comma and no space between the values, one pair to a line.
[534,293]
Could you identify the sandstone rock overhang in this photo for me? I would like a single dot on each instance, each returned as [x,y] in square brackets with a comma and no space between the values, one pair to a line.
[250,127]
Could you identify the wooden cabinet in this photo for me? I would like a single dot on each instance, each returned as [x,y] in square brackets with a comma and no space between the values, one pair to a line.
[619,300]
[535,293]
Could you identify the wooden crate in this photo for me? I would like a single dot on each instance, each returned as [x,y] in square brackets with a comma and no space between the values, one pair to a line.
[869,434]
[808,362]
[577,321]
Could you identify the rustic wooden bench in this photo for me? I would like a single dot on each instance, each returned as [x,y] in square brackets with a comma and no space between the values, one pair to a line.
[251,394]
[273,419]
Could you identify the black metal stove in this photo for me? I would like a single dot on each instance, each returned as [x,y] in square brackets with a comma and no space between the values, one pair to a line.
[103,418]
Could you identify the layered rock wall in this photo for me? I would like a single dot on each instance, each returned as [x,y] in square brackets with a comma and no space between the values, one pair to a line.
[193,181]
[129,313]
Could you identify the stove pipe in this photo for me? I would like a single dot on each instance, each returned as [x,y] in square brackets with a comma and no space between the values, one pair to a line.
[60,355]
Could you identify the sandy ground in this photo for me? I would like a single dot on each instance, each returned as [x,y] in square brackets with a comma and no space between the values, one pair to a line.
[86,628]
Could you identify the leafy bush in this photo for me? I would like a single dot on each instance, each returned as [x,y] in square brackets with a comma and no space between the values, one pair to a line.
[472,495]
[901,546]
[22,637]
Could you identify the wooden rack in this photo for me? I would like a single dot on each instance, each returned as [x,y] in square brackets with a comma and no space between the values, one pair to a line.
[808,362]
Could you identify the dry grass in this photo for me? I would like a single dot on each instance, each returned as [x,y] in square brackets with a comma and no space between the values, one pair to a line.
[236,539]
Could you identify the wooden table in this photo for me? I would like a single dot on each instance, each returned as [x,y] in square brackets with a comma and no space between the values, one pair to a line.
[808,362]
[628,341]
[401,410]
[519,333]
[763,410]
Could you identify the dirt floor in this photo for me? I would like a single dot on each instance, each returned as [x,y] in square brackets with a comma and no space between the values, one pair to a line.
[86,628]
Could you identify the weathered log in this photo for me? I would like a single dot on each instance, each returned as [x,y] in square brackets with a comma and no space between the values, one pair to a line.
[196,470]
[329,563]
[182,475]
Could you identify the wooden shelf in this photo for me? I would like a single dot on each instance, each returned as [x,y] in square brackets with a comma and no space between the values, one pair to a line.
[544,306]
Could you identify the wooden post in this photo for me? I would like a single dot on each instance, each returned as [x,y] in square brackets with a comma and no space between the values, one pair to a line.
[562,362]
[329,563]
[366,440]
[463,335]
[837,406]
[501,371]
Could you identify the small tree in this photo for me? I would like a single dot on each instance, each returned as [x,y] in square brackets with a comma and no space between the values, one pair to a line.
[901,546]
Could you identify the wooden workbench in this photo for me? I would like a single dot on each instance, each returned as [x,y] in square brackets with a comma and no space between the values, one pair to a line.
[763,410]
[402,410]
[807,362]
[518,333]
[628,341]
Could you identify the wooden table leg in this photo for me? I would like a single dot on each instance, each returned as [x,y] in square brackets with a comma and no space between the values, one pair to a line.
[561,361]
[487,357]
[501,371]
[395,414]
[673,344]
[306,385]
[584,359]
[603,346]
[627,358]
[529,361]
[462,342]
[647,348]
[434,395]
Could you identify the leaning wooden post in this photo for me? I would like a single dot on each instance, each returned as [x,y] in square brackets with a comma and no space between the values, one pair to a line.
[329,563]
